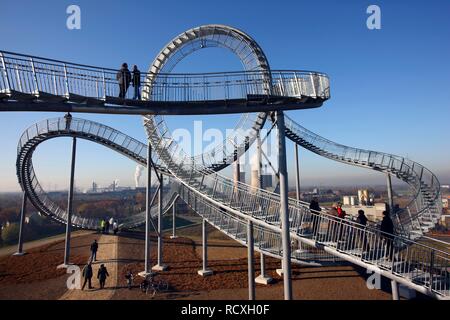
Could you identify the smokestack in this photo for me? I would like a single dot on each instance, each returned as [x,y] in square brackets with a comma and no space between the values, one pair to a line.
[137,175]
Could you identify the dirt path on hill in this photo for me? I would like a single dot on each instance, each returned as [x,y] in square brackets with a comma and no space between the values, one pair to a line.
[9,250]
[107,255]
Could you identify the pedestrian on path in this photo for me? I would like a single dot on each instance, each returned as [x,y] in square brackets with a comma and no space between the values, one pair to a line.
[115,227]
[87,274]
[94,248]
[102,275]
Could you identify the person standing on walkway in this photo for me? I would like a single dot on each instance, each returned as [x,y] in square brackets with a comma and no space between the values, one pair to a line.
[106,226]
[94,248]
[136,82]
[111,223]
[115,227]
[102,275]
[87,274]
[102,225]
[123,78]
[129,276]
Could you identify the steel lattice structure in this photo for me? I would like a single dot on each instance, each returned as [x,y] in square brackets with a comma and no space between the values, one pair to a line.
[37,84]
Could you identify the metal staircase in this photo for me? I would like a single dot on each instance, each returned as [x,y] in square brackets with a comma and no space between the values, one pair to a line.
[423,211]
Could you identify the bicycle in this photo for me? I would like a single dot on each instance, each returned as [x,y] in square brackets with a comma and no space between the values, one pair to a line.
[149,284]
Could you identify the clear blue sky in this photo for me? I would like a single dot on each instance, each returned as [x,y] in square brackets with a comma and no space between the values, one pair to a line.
[390,87]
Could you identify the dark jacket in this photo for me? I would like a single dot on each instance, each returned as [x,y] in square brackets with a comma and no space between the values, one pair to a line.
[136,81]
[102,273]
[94,247]
[387,226]
[314,205]
[362,219]
[87,271]
[124,76]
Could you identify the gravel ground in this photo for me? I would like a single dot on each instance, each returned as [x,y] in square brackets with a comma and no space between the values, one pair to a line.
[34,275]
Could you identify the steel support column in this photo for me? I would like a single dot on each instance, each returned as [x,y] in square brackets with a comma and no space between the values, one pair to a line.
[205,271]
[262,278]
[390,194]
[23,209]
[284,209]
[160,266]
[297,173]
[174,221]
[148,200]
[70,203]
[251,261]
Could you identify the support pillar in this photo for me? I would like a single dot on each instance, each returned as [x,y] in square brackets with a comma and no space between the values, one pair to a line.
[250,258]
[394,286]
[160,266]
[23,209]
[297,173]
[262,278]
[390,195]
[69,205]
[174,221]
[148,199]
[284,212]
[205,271]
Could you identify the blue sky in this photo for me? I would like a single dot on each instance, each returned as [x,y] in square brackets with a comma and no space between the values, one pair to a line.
[390,87]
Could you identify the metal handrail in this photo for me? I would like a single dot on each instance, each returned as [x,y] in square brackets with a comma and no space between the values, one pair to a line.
[34,75]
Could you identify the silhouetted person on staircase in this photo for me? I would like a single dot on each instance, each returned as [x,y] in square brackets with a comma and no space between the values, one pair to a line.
[124,79]
[87,274]
[387,229]
[315,214]
[362,220]
[101,275]
[136,82]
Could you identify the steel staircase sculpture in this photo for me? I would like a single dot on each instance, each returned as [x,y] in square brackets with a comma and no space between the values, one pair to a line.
[31,83]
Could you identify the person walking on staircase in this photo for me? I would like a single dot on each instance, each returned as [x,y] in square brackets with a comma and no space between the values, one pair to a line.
[87,275]
[315,209]
[102,275]
[387,233]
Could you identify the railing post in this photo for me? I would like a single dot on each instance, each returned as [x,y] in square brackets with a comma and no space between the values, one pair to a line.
[66,81]
[104,84]
[5,73]
[313,85]
[297,173]
[35,79]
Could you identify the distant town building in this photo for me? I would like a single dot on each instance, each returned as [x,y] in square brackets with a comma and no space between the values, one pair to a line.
[350,200]
[445,203]
[373,212]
